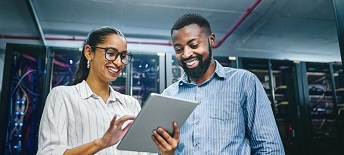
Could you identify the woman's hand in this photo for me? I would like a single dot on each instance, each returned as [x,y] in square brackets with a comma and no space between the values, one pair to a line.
[115,132]
[165,142]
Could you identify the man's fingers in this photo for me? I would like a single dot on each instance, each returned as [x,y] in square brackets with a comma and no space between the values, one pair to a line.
[176,131]
[160,140]
[160,147]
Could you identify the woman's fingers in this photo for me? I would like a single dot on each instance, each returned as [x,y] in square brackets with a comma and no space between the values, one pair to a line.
[113,120]
[124,119]
[127,127]
[115,132]
[117,124]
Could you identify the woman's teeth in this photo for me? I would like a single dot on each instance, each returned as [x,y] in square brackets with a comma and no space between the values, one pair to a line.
[110,69]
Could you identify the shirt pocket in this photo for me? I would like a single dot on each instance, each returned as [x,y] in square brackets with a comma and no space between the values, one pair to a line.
[225,107]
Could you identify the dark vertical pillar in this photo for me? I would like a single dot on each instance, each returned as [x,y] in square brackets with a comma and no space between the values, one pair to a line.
[300,110]
[239,63]
[5,103]
[339,14]
[271,90]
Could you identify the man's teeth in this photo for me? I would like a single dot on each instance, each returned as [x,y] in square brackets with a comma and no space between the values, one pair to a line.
[113,69]
[191,62]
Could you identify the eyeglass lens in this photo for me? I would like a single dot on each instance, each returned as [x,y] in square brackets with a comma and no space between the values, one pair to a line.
[112,54]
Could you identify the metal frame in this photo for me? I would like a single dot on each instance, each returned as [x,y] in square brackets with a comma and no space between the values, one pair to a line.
[162,71]
[299,104]
[271,90]
[169,74]
[339,13]
[33,13]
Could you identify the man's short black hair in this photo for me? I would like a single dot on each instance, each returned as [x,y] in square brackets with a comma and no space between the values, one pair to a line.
[192,18]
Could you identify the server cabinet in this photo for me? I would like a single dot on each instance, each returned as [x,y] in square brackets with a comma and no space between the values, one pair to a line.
[299,105]
[177,70]
[278,73]
[324,108]
[275,78]
[30,73]
[145,76]
[23,93]
[307,102]
[338,76]
[64,64]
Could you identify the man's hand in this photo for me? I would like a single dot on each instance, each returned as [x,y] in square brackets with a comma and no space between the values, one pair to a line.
[164,141]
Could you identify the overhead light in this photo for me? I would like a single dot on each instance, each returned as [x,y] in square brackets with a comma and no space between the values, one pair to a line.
[160,54]
[231,58]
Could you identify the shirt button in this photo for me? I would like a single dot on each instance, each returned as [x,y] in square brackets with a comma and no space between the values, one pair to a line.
[197,122]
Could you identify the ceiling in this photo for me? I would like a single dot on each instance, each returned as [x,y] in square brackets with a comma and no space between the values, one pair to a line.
[303,30]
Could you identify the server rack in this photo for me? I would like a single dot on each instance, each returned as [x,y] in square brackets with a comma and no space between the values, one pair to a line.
[279,71]
[64,64]
[282,81]
[30,73]
[23,93]
[145,76]
[307,101]
[299,105]
[338,76]
[324,108]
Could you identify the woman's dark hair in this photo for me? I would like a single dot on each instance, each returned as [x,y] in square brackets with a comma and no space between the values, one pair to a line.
[95,37]
[192,18]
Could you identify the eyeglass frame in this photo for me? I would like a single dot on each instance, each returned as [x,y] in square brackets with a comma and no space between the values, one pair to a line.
[117,54]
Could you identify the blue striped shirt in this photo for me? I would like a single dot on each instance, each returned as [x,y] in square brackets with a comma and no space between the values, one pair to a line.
[234,115]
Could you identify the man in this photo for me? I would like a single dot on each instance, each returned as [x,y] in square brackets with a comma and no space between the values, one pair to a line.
[234,115]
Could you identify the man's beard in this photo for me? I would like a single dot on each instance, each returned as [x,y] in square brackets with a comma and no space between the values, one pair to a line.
[197,72]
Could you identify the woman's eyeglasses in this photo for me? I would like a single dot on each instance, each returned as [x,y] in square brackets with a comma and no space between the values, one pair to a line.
[111,54]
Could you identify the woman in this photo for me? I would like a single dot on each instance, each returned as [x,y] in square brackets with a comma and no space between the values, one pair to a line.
[82,118]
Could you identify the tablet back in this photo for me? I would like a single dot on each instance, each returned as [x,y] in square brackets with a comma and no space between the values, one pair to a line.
[158,111]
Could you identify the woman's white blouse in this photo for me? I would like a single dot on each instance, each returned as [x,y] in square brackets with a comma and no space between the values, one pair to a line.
[74,115]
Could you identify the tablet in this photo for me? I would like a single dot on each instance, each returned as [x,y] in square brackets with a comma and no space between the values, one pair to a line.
[158,111]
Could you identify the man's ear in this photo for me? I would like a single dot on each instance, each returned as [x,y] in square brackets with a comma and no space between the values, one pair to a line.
[88,52]
[212,39]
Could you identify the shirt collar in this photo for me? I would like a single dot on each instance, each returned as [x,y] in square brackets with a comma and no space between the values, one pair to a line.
[116,96]
[86,92]
[219,72]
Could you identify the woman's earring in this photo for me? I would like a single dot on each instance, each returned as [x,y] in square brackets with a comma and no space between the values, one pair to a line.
[88,63]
